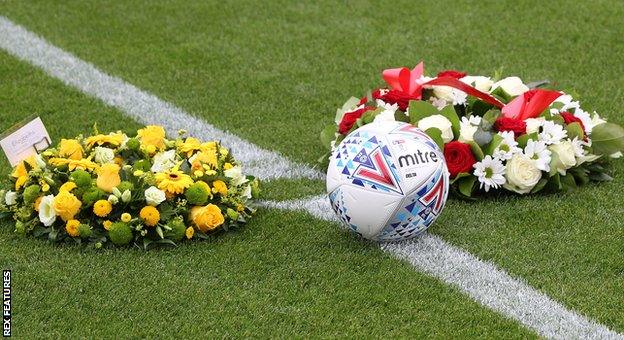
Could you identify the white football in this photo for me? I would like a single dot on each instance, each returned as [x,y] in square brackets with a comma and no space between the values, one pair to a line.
[387,181]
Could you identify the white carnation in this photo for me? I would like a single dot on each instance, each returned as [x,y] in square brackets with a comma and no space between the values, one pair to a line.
[154,196]
[47,213]
[439,122]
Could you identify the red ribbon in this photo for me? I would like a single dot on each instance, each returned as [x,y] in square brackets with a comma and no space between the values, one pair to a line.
[528,105]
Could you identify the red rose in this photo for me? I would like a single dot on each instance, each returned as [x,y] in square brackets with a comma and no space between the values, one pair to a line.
[452,73]
[349,119]
[569,118]
[459,158]
[517,126]
[398,97]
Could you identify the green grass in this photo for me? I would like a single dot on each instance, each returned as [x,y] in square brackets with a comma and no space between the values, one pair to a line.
[274,75]
[284,274]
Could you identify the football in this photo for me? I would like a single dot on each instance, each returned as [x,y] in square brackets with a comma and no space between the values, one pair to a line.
[387,181]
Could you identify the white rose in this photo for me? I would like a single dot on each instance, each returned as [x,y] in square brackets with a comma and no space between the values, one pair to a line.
[236,174]
[154,196]
[47,213]
[104,155]
[164,161]
[566,157]
[512,85]
[522,174]
[10,198]
[439,122]
[481,83]
[533,124]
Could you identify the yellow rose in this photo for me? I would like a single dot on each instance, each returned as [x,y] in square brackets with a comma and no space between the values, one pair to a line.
[72,228]
[207,218]
[66,205]
[152,135]
[71,149]
[108,177]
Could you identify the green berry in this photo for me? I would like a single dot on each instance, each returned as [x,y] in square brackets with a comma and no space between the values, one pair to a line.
[120,233]
[91,196]
[125,185]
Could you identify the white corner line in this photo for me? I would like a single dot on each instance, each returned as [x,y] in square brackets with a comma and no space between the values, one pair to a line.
[140,105]
[482,281]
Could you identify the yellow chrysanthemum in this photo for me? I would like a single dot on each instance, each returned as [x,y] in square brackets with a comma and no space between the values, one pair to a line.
[173,181]
[68,186]
[208,157]
[72,228]
[102,208]
[108,177]
[114,139]
[80,164]
[220,187]
[125,217]
[207,218]
[150,215]
[189,146]
[71,149]
[66,205]
[190,231]
[227,166]
[107,224]
[152,135]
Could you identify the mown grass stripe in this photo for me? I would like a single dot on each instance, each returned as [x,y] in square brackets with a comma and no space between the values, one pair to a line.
[482,281]
[140,105]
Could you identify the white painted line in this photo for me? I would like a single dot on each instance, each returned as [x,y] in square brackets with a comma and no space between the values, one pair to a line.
[482,281]
[140,105]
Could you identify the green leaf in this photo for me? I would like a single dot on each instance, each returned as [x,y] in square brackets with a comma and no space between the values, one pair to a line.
[539,186]
[501,94]
[580,175]
[419,109]
[466,185]
[328,135]
[524,139]
[568,183]
[607,139]
[349,105]
[491,116]
[575,130]
[600,177]
[476,151]
[496,140]
[480,108]
[460,175]
[450,114]
[400,116]
[436,135]
[159,232]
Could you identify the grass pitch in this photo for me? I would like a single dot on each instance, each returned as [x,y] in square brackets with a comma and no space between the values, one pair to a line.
[274,74]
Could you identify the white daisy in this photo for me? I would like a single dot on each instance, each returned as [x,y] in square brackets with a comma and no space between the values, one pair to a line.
[459,97]
[537,151]
[552,133]
[534,124]
[585,118]
[507,147]
[490,173]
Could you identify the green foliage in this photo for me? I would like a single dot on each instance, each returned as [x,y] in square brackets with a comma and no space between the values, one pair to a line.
[419,109]
[607,139]
[196,194]
[177,229]
[328,134]
[81,178]
[31,193]
[575,131]
[436,135]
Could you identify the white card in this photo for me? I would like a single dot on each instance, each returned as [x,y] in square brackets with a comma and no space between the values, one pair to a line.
[25,140]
